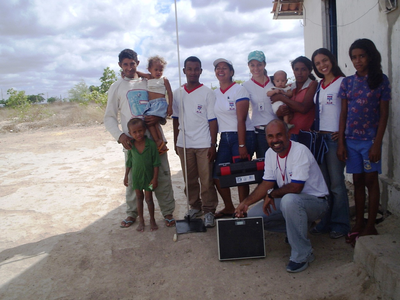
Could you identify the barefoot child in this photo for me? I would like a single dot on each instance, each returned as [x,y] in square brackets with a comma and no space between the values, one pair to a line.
[280,82]
[363,118]
[145,158]
[157,86]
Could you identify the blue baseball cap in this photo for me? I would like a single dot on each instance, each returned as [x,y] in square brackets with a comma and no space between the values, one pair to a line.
[256,55]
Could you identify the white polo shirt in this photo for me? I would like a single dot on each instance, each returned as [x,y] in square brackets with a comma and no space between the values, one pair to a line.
[330,105]
[225,107]
[261,108]
[197,110]
[298,166]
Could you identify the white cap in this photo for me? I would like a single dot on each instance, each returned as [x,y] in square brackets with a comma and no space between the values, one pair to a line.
[217,61]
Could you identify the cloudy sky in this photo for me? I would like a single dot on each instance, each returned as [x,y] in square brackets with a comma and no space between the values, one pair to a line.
[48,46]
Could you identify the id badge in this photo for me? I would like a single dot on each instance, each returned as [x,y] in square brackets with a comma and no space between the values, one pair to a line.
[261,106]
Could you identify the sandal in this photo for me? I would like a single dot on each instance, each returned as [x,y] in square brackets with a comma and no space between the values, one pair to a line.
[162,148]
[169,222]
[351,237]
[127,222]
[220,214]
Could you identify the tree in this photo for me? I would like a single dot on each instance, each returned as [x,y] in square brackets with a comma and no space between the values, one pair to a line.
[108,78]
[93,88]
[79,93]
[16,99]
[36,98]
[98,98]
[239,81]
[53,99]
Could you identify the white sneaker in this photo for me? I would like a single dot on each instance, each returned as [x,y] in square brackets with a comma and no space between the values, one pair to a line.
[209,220]
[194,213]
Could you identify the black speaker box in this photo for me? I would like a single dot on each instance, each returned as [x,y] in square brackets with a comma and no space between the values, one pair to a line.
[241,238]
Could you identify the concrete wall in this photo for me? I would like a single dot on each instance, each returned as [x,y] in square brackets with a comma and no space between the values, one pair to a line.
[314,35]
[365,19]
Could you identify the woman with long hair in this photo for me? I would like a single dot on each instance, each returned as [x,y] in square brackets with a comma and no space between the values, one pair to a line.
[336,220]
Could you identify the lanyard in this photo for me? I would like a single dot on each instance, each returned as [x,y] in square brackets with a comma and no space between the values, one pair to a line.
[283,174]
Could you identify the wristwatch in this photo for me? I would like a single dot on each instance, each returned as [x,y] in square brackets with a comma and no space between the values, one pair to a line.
[241,146]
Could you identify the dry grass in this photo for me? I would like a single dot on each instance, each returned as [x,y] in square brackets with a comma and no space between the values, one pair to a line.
[50,116]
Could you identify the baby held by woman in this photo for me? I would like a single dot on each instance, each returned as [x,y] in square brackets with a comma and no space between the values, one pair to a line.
[281,87]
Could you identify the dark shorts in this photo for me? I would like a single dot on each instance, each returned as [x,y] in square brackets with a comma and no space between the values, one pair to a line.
[229,147]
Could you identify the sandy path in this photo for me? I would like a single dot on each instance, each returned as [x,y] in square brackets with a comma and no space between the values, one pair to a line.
[61,202]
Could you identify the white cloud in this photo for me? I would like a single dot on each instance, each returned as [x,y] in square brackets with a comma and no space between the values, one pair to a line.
[49,46]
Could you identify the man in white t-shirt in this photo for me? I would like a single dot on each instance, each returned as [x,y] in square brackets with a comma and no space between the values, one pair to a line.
[128,97]
[195,130]
[301,196]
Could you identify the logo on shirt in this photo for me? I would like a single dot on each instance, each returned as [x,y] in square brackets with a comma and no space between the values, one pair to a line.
[199,108]
[231,105]
[137,100]
[329,99]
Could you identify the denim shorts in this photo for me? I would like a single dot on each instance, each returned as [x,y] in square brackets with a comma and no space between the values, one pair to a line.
[229,147]
[357,158]
[156,107]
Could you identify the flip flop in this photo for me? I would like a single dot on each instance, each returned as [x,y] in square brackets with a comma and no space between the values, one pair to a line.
[160,152]
[128,223]
[160,148]
[220,214]
[169,221]
[351,237]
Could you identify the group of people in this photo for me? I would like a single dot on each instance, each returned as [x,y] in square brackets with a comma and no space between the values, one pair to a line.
[254,118]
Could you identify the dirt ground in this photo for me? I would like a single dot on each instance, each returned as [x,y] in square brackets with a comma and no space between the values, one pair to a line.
[61,203]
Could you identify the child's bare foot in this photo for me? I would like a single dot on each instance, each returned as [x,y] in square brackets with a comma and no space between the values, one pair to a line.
[140,227]
[153,225]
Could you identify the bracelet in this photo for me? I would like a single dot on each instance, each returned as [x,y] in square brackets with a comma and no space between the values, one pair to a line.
[215,145]
[241,146]
[269,193]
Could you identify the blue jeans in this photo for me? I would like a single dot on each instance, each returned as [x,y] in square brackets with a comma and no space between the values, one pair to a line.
[337,217]
[293,214]
[261,143]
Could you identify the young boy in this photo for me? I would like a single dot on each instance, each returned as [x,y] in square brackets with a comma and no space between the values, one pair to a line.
[144,157]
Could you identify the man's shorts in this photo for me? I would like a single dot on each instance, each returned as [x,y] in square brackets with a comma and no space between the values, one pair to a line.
[357,158]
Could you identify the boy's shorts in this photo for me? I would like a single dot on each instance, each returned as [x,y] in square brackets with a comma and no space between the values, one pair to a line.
[156,107]
[357,158]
